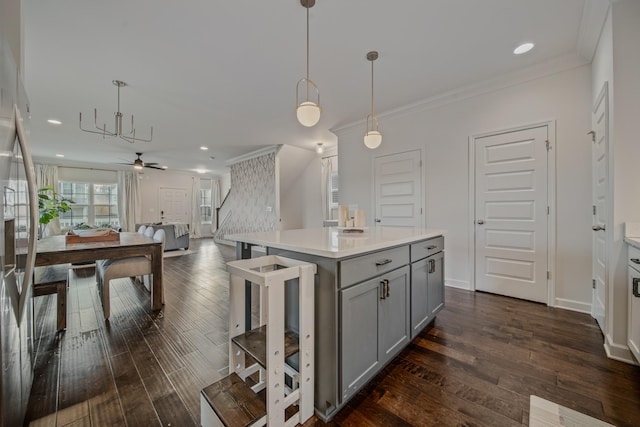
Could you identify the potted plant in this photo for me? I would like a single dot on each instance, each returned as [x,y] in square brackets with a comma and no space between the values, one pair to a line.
[50,205]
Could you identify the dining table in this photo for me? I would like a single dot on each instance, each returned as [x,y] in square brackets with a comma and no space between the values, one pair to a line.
[55,250]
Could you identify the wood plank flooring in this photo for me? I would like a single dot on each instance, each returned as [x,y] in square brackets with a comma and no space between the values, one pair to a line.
[476,365]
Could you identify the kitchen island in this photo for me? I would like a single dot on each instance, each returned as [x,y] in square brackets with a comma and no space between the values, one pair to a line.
[374,292]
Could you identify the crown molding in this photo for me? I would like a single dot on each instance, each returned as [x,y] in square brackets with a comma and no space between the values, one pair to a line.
[537,71]
[252,155]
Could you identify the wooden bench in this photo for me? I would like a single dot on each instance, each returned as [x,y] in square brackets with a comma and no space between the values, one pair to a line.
[53,279]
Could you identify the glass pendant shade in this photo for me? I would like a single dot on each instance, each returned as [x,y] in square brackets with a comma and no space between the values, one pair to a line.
[373,139]
[308,113]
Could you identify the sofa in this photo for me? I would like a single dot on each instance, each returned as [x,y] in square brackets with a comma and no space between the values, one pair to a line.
[176,235]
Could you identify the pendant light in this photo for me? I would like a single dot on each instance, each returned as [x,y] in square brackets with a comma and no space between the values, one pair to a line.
[307,111]
[373,137]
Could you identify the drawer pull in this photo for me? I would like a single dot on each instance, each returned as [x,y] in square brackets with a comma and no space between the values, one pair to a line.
[635,260]
[432,247]
[635,287]
[383,262]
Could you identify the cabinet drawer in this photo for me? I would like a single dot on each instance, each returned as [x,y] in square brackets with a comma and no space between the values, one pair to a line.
[358,269]
[425,248]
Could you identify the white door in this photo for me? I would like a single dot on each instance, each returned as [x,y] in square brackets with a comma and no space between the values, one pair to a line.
[173,205]
[600,175]
[511,213]
[398,190]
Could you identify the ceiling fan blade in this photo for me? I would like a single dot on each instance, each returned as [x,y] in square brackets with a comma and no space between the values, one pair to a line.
[151,164]
[146,165]
[130,164]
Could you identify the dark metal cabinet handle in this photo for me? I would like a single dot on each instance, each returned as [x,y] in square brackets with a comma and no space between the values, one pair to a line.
[432,247]
[635,287]
[432,266]
[382,292]
[635,260]
[386,284]
[383,262]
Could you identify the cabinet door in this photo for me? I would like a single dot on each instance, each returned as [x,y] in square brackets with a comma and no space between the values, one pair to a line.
[420,310]
[435,283]
[394,326]
[359,335]
[633,332]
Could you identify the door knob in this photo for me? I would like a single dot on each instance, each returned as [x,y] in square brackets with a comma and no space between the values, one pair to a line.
[480,221]
[598,228]
[377,220]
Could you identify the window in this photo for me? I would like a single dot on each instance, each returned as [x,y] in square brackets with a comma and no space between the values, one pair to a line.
[17,203]
[206,208]
[95,204]
[333,191]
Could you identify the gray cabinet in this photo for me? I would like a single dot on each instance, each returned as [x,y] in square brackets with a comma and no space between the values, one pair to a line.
[427,282]
[357,331]
[374,326]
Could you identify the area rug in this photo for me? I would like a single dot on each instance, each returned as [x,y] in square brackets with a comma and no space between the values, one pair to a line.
[179,252]
[543,413]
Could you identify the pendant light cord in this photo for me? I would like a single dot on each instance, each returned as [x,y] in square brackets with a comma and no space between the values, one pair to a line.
[372,113]
[307,85]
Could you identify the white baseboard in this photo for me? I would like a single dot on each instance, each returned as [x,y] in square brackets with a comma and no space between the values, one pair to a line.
[568,304]
[618,352]
[459,284]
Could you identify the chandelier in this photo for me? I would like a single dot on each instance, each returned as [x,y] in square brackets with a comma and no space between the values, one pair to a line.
[307,111]
[129,137]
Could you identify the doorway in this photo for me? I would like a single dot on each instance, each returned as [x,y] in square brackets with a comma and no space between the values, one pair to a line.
[600,186]
[397,180]
[173,205]
[512,212]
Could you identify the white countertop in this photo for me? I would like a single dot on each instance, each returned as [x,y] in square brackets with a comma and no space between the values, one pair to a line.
[330,243]
[633,241]
[632,234]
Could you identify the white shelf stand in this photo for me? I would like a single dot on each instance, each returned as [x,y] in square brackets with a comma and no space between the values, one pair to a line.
[272,273]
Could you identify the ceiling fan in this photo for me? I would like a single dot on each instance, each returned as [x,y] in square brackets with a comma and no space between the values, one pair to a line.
[139,164]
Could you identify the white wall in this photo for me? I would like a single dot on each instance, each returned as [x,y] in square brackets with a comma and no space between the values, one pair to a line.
[300,195]
[617,61]
[151,182]
[442,132]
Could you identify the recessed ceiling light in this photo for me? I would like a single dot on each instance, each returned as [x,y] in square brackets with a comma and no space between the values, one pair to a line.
[59,155]
[523,48]
[200,170]
[203,148]
[54,122]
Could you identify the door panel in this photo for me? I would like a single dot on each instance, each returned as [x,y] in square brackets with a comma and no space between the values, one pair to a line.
[394,330]
[173,205]
[398,189]
[511,213]
[600,177]
[359,335]
[436,283]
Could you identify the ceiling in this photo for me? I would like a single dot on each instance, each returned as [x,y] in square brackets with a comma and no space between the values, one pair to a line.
[223,73]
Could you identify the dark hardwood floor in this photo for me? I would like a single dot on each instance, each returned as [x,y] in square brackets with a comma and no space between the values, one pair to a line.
[476,365]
